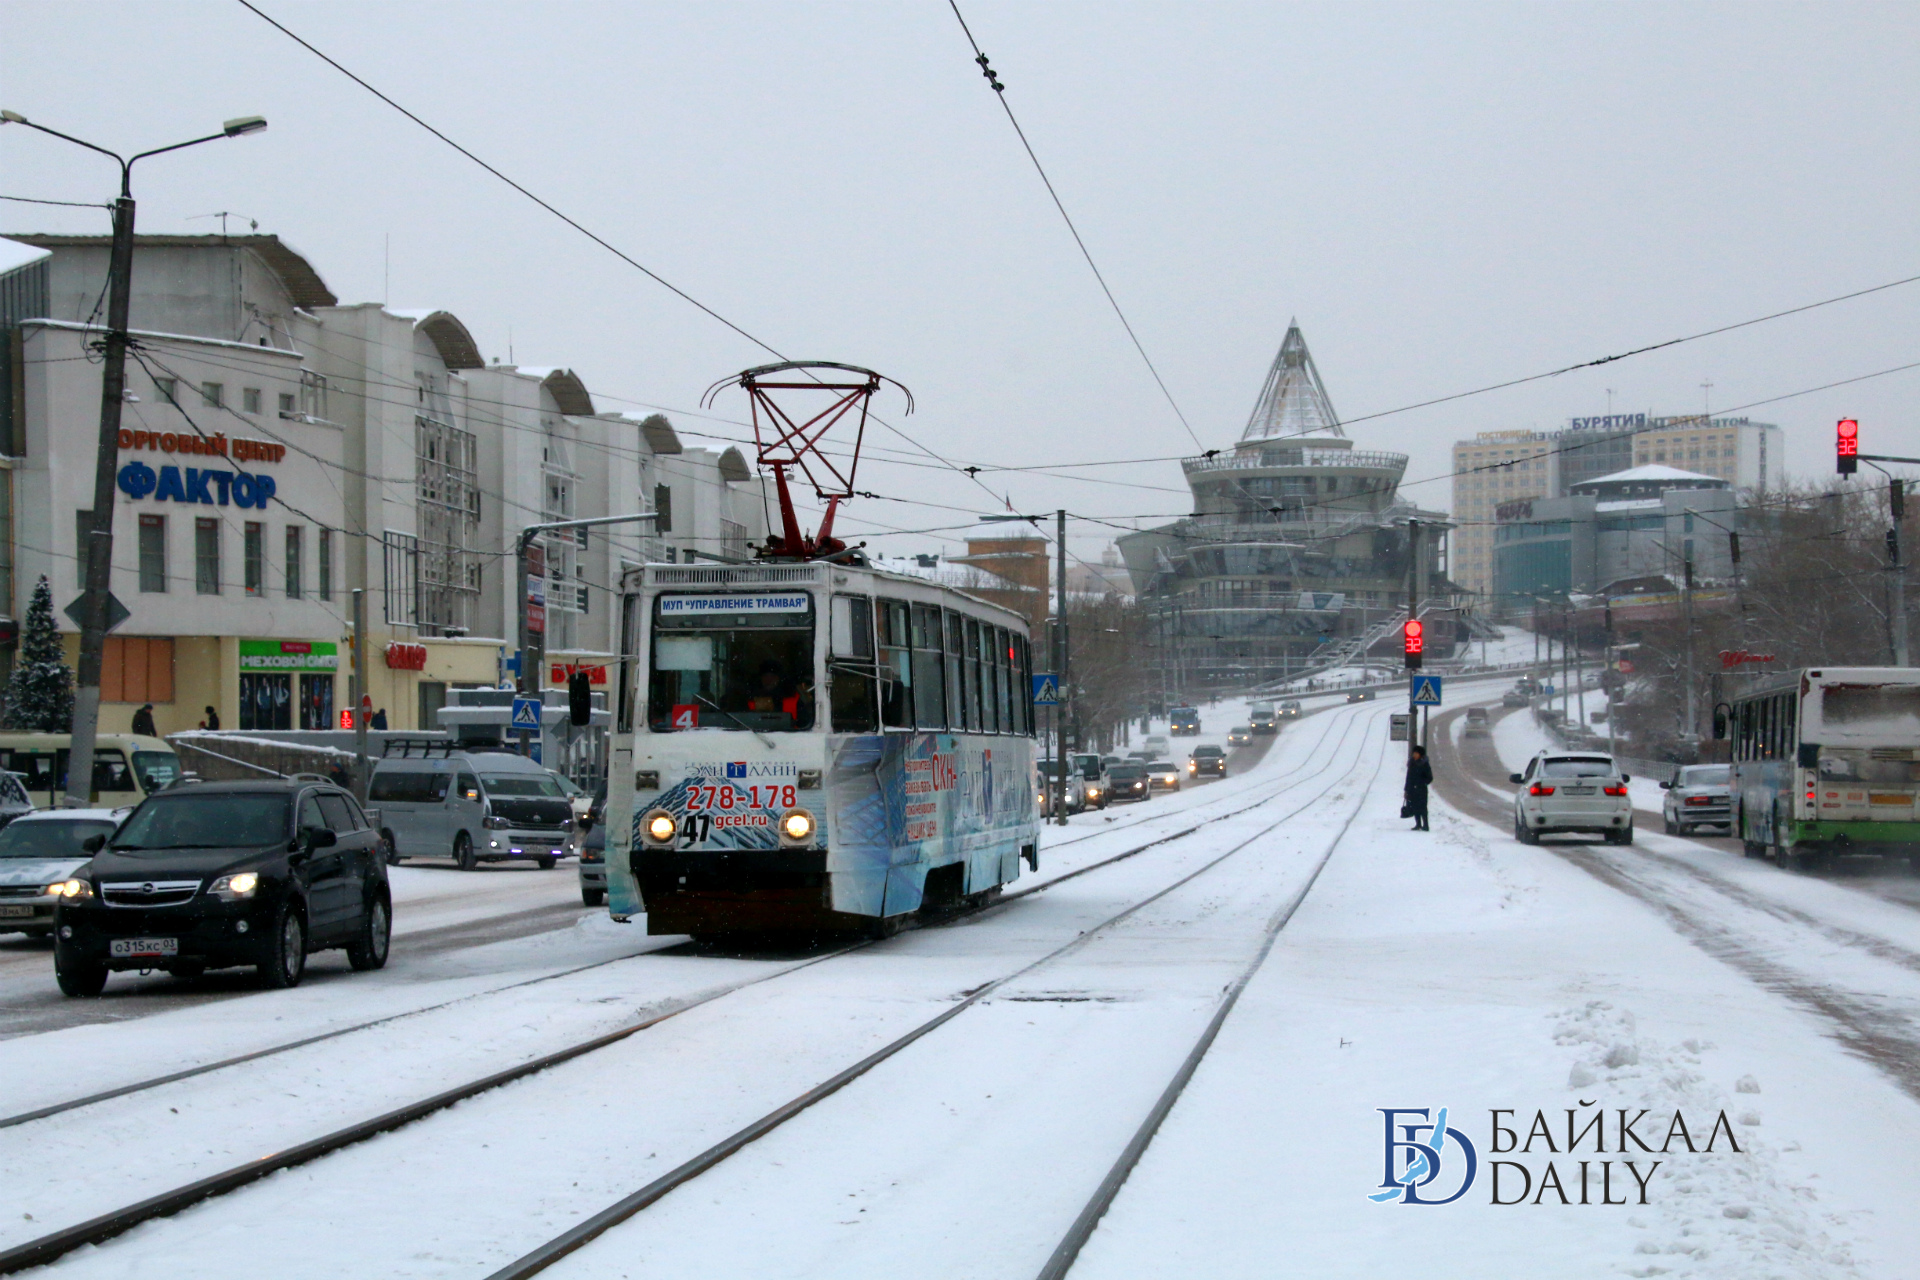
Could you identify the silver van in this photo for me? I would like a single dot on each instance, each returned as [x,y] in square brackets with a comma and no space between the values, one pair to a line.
[477,806]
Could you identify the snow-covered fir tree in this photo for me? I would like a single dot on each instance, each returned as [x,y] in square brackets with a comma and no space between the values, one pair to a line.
[40,692]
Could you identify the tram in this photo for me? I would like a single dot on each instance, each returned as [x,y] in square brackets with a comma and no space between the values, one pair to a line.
[1826,762]
[809,743]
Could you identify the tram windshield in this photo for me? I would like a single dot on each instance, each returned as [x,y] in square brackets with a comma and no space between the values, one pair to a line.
[732,662]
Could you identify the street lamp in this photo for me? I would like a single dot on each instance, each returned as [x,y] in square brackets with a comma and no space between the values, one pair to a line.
[94,600]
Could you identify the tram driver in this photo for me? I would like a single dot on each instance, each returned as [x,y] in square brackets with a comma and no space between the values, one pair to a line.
[776,693]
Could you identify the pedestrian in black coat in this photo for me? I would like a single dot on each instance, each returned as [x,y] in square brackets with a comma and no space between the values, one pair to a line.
[1419,778]
[143,721]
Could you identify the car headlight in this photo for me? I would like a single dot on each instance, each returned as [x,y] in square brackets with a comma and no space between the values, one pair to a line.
[71,889]
[235,887]
[660,827]
[797,826]
[495,823]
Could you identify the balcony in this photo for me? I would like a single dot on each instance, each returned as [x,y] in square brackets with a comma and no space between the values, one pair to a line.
[1275,458]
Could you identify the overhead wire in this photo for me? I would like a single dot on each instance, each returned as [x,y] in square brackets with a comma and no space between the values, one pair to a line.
[1000,93]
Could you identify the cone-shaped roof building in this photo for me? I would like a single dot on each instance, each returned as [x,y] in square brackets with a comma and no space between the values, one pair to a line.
[1294,401]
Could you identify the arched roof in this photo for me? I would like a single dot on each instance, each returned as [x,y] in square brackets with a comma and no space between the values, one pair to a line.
[569,393]
[733,466]
[450,338]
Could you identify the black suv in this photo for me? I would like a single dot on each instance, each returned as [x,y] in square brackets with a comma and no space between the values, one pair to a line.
[1208,759]
[213,875]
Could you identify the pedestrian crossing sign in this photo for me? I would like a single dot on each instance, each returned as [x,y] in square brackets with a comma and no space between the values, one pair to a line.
[1046,691]
[526,714]
[1426,691]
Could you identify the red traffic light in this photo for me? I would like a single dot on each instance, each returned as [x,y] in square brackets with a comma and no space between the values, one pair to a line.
[1847,446]
[1414,638]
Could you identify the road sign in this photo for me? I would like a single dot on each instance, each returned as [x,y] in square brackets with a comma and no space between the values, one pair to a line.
[1046,691]
[1398,731]
[526,714]
[117,613]
[1426,691]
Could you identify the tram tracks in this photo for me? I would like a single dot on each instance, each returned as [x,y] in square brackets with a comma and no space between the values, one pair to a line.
[103,1227]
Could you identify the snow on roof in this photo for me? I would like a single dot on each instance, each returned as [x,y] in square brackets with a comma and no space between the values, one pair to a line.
[1631,504]
[14,255]
[1651,472]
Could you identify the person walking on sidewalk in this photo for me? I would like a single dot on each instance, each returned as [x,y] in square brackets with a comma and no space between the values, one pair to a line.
[1419,778]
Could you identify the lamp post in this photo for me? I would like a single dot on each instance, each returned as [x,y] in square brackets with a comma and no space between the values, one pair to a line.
[113,385]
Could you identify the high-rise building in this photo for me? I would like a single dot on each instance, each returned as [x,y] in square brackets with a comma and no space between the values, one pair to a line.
[1744,453]
[1492,469]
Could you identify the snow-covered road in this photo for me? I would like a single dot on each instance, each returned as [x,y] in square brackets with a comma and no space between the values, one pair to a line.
[1455,969]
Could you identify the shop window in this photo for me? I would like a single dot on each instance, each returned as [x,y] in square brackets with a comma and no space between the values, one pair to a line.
[137,669]
[325,567]
[153,553]
[296,547]
[206,555]
[266,700]
[255,563]
[316,701]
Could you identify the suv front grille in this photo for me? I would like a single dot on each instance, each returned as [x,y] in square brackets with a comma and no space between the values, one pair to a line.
[149,893]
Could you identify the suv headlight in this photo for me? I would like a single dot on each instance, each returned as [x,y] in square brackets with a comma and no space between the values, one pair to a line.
[495,823]
[235,887]
[72,890]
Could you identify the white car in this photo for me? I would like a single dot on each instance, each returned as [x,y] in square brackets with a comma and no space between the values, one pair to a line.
[40,850]
[1563,792]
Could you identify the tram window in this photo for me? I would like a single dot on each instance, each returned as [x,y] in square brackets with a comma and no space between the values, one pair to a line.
[929,669]
[850,673]
[755,675]
[989,683]
[1002,685]
[896,665]
[1022,687]
[970,649]
[956,637]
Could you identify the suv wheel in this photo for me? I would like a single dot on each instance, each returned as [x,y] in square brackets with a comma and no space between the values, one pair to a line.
[463,852]
[593,897]
[79,978]
[368,950]
[388,849]
[545,864]
[1671,827]
[288,964]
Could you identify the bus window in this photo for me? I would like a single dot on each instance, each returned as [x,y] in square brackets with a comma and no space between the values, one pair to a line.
[850,673]
[971,651]
[956,637]
[110,772]
[929,669]
[756,673]
[157,770]
[896,665]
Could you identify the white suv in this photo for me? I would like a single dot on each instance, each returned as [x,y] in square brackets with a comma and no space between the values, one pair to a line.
[1565,792]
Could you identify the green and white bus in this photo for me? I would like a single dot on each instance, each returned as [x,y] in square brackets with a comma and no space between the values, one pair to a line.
[1826,763]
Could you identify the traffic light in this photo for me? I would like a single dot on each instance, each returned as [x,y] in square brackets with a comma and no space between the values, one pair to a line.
[1414,637]
[1847,447]
[579,699]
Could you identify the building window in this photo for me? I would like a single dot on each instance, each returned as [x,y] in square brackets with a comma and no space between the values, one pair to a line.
[250,399]
[286,404]
[582,599]
[326,564]
[206,555]
[663,507]
[153,553]
[255,558]
[137,669]
[163,389]
[296,544]
[212,394]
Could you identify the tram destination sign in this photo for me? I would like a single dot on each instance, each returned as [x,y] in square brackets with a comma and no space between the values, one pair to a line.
[700,606]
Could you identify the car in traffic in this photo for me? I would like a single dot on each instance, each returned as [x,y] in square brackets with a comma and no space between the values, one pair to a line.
[1129,780]
[1093,779]
[1184,722]
[14,800]
[593,852]
[1049,778]
[127,767]
[1290,709]
[1513,698]
[1207,760]
[38,853]
[1262,718]
[219,874]
[1360,695]
[1567,794]
[1240,735]
[1155,747]
[1700,795]
[1478,725]
[1163,775]
[472,806]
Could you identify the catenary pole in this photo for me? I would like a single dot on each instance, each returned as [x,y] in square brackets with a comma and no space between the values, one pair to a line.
[1060,661]
[360,695]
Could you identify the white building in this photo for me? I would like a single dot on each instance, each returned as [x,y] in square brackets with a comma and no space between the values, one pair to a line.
[398,461]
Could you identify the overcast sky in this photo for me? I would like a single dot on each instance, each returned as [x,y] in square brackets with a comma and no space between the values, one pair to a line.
[1444,195]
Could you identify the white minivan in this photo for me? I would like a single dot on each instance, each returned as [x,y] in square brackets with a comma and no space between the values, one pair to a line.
[471,806]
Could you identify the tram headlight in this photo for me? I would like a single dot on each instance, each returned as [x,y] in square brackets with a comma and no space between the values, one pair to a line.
[796,827]
[659,827]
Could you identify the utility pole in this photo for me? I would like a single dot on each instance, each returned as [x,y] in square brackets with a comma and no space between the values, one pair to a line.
[95,611]
[359,695]
[1060,661]
[527,679]
[1693,708]
[1896,574]
[1413,611]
